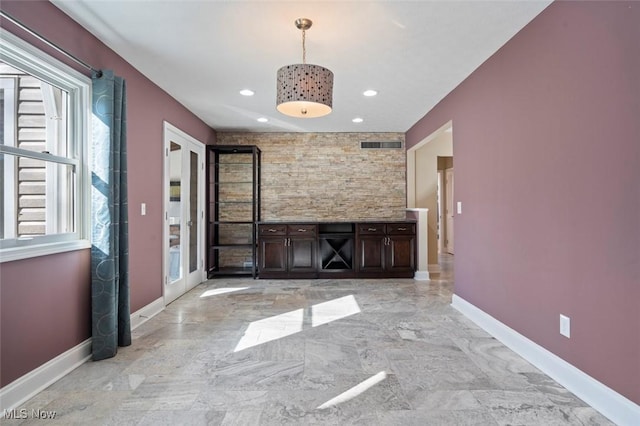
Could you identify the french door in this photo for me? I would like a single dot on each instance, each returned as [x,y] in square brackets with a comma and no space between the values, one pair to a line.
[184,213]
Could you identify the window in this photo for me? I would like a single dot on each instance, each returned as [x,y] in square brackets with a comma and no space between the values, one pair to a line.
[44,125]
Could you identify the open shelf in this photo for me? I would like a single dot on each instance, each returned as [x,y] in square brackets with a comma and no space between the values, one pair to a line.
[336,246]
[233,270]
[336,252]
[234,209]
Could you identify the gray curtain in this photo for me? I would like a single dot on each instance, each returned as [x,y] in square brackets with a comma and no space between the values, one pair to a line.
[111,322]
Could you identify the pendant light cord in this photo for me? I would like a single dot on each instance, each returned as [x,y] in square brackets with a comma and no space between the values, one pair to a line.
[304,50]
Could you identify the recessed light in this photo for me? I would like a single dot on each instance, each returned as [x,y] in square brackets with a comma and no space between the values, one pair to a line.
[357,120]
[370,92]
[263,119]
[246,92]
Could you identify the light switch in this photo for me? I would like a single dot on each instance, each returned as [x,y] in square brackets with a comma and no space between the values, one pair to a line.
[459,207]
[565,325]
[143,209]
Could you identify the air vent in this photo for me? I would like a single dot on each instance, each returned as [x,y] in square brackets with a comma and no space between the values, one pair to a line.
[381,145]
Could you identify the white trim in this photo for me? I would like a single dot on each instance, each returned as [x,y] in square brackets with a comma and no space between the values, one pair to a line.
[51,180]
[411,162]
[27,386]
[27,58]
[24,388]
[608,402]
[422,237]
[145,313]
[18,253]
[7,84]
[170,131]
[422,276]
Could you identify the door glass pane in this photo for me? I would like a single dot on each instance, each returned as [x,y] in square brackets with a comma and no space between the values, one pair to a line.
[175,212]
[193,211]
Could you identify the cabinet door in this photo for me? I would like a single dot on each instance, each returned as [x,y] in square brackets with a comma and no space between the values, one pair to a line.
[400,253]
[302,254]
[371,250]
[273,255]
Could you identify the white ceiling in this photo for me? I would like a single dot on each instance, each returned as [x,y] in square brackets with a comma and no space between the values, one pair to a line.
[204,52]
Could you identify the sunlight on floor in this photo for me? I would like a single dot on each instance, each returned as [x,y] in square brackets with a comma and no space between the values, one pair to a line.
[217,291]
[355,391]
[326,312]
[272,328]
[276,327]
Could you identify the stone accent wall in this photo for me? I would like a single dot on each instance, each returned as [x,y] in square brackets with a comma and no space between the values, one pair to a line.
[327,176]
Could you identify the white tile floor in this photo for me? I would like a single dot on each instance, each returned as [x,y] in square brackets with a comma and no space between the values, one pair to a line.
[331,352]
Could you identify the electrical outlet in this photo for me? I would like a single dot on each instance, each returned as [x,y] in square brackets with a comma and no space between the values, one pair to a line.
[565,326]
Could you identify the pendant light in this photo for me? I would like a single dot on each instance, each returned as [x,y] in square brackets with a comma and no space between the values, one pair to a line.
[304,90]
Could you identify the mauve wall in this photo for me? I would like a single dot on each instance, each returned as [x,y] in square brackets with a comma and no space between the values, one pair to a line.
[547,156]
[27,284]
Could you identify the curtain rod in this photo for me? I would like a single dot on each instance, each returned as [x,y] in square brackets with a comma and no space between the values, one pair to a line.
[50,43]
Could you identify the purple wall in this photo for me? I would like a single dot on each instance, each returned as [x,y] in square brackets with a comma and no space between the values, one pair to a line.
[44,310]
[546,140]
[32,281]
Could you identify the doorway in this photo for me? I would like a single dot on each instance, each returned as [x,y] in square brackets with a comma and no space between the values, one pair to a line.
[445,205]
[184,213]
[426,164]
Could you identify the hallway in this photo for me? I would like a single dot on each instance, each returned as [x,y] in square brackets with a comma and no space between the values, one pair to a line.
[336,352]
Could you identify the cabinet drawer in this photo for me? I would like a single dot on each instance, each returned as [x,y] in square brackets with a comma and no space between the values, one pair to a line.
[305,229]
[273,229]
[401,228]
[371,228]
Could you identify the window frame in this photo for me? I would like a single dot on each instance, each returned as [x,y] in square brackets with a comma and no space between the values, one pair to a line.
[25,57]
[8,85]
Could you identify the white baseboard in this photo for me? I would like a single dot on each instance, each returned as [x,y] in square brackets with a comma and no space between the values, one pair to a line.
[611,404]
[27,386]
[22,389]
[145,313]
[422,276]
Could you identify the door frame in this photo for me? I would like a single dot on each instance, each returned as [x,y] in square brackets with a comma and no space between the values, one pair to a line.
[172,132]
[413,186]
[441,207]
[449,227]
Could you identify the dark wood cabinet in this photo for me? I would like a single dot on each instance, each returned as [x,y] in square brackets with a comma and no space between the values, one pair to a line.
[373,250]
[287,250]
[272,255]
[386,249]
[371,247]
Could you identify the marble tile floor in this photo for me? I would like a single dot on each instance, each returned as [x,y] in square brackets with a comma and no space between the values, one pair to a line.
[239,351]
